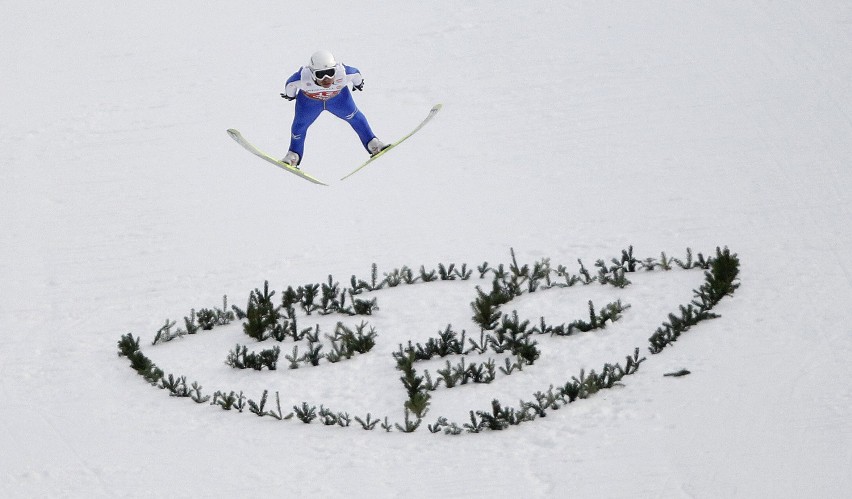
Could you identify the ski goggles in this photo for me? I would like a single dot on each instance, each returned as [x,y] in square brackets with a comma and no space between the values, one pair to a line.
[324,73]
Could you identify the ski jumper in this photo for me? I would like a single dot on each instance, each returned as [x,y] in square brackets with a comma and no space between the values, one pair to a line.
[312,99]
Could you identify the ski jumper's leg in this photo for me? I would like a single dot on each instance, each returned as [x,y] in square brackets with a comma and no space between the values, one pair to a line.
[307,111]
[343,106]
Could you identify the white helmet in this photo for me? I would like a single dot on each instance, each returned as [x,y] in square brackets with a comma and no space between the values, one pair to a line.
[322,59]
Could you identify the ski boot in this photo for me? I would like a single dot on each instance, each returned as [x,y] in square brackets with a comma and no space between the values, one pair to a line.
[376,146]
[291,159]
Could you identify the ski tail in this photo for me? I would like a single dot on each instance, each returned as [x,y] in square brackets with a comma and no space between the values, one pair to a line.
[239,139]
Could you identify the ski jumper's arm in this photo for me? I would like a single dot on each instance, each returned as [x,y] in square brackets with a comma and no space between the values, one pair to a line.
[293,84]
[353,76]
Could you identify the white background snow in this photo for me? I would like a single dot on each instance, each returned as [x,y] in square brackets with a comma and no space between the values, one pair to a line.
[569,130]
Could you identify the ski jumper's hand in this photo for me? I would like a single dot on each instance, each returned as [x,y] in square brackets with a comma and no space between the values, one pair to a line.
[359,86]
[288,97]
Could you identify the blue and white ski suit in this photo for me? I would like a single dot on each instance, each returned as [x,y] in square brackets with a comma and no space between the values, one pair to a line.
[312,99]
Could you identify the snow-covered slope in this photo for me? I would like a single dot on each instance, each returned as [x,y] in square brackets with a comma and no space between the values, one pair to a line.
[569,131]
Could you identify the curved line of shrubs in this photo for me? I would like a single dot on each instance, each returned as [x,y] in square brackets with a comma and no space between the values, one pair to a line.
[502,334]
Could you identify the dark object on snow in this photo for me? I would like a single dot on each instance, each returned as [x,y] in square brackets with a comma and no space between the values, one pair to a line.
[677,374]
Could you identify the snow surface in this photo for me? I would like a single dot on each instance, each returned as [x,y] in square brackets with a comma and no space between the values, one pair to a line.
[569,130]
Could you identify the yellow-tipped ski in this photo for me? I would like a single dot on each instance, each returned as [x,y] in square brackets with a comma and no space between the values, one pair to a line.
[432,113]
[237,136]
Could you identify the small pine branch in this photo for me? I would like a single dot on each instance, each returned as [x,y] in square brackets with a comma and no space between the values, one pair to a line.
[196,394]
[427,276]
[127,345]
[438,425]
[409,426]
[278,414]
[259,409]
[294,358]
[306,413]
[226,402]
[367,423]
